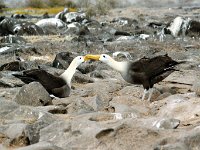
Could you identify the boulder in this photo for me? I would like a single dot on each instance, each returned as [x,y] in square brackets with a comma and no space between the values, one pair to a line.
[74,17]
[61,15]
[15,134]
[18,16]
[50,22]
[13,66]
[63,59]
[87,67]
[16,48]
[82,78]
[167,123]
[52,25]
[10,81]
[13,39]
[34,118]
[7,107]
[80,132]
[13,26]
[123,21]
[77,29]
[33,94]
[41,146]
[78,107]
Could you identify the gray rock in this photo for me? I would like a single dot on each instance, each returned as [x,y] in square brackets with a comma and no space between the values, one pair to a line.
[126,38]
[52,25]
[105,37]
[13,26]
[58,133]
[105,132]
[7,107]
[116,32]
[7,93]
[74,17]
[13,130]
[162,96]
[51,22]
[87,67]
[63,59]
[71,37]
[189,140]
[61,15]
[24,124]
[2,147]
[10,81]
[133,90]
[80,132]
[78,107]
[13,66]
[167,123]
[33,94]
[99,74]
[32,130]
[18,16]
[77,29]
[34,118]
[192,139]
[53,109]
[175,146]
[62,101]
[97,103]
[13,39]
[82,78]
[15,134]
[123,21]
[15,48]
[173,106]
[196,87]
[41,146]
[121,54]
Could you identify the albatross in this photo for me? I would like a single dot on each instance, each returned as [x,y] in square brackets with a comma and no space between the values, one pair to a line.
[146,71]
[59,86]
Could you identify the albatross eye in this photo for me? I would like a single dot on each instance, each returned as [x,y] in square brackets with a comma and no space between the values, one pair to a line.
[104,56]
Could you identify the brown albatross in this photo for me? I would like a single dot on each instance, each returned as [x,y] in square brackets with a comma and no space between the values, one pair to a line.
[146,71]
[59,86]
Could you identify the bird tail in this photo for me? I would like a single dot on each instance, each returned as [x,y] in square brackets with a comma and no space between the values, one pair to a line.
[182,62]
[24,78]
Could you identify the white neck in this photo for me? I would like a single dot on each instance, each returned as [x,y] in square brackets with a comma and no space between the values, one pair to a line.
[119,66]
[68,74]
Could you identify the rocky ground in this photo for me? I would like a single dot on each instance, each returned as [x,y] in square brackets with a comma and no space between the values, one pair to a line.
[103,111]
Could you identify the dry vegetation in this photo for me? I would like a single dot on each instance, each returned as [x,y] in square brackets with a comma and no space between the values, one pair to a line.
[2,5]
[100,7]
[50,3]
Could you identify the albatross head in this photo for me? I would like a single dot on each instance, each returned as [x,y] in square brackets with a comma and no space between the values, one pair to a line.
[105,58]
[119,66]
[80,59]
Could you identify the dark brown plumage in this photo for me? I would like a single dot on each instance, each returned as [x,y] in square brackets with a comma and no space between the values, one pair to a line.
[59,86]
[53,84]
[146,71]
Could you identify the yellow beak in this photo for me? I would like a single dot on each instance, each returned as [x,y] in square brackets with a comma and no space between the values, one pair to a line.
[91,57]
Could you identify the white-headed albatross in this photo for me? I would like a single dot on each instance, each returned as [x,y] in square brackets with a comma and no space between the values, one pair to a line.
[146,71]
[59,86]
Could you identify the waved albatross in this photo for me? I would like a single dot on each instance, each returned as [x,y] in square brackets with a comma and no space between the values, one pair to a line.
[59,86]
[146,71]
